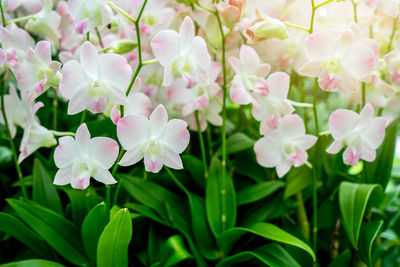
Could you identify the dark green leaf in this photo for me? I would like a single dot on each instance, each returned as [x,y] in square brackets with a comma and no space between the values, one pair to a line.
[147,212]
[176,251]
[369,232]
[112,249]
[343,259]
[297,179]
[82,201]
[256,192]
[32,263]
[5,155]
[237,143]
[195,168]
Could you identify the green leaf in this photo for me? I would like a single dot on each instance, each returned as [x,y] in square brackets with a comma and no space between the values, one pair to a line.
[237,142]
[220,199]
[32,263]
[369,232]
[195,168]
[176,251]
[297,179]
[271,254]
[21,232]
[343,259]
[5,155]
[379,171]
[257,191]
[44,192]
[147,212]
[353,200]
[112,249]
[266,230]
[92,227]
[60,233]
[82,201]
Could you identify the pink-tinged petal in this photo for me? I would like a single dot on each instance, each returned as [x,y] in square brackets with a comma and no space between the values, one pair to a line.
[176,135]
[166,46]
[153,164]
[283,167]
[298,158]
[78,102]
[249,60]
[140,104]
[328,82]
[306,141]
[115,71]
[82,138]
[292,126]
[115,115]
[345,41]
[367,113]
[158,121]
[263,70]
[374,133]
[172,160]
[73,79]
[117,97]
[81,183]
[104,150]
[167,76]
[351,156]
[63,176]
[27,77]
[65,152]
[43,52]
[359,61]
[348,83]
[239,94]
[235,63]
[268,152]
[132,130]
[186,31]
[278,84]
[89,59]
[310,69]
[341,122]
[132,156]
[103,176]
[368,154]
[320,45]
[97,105]
[335,147]
[203,59]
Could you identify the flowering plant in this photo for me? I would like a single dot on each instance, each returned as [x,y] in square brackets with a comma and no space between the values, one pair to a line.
[199,133]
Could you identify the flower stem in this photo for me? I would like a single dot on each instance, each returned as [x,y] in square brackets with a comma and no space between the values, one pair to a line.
[392,34]
[3,19]
[355,11]
[21,19]
[10,139]
[363,96]
[123,13]
[202,147]
[56,133]
[302,216]
[55,109]
[99,37]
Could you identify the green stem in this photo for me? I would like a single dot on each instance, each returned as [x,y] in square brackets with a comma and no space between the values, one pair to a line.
[355,11]
[99,37]
[21,19]
[56,133]
[3,19]
[150,62]
[312,17]
[176,180]
[392,34]
[302,216]
[55,109]
[363,96]
[83,116]
[202,147]
[10,139]
[88,36]
[295,26]
[108,197]
[123,13]
[223,132]
[113,173]
[209,141]
[315,107]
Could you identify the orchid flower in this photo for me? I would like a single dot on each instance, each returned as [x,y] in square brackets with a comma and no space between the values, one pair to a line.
[38,72]
[250,76]
[361,134]
[89,13]
[95,81]
[182,54]
[284,146]
[81,158]
[33,6]
[35,135]
[157,140]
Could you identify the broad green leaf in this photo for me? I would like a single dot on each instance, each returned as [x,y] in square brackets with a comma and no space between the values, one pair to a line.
[195,167]
[112,249]
[44,192]
[21,232]
[176,250]
[369,232]
[272,255]
[147,212]
[237,142]
[92,227]
[379,171]
[257,191]
[220,199]
[32,263]
[60,233]
[82,201]
[5,155]
[353,200]
[297,179]
[155,243]
[266,230]
[342,260]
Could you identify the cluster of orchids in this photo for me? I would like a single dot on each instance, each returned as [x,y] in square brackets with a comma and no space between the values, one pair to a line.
[156,70]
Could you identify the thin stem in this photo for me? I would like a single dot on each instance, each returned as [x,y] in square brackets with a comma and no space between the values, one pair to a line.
[223,132]
[3,19]
[56,133]
[83,116]
[10,139]
[203,150]
[176,180]
[103,50]
[295,26]
[302,216]
[209,141]
[300,104]
[88,36]
[123,13]
[392,34]
[355,11]
[315,107]
[312,17]
[55,109]
[323,3]
[113,173]
[99,37]
[150,62]
[363,96]
[21,19]
[315,209]
[108,197]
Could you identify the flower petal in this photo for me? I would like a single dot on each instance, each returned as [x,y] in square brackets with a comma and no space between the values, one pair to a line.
[131,156]
[73,79]
[104,150]
[249,60]
[89,57]
[115,71]
[239,94]
[268,152]
[104,176]
[172,160]
[176,136]
[65,152]
[63,176]
[132,130]
[158,121]
[186,31]
[166,46]
[319,45]
[82,138]
[341,122]
[278,84]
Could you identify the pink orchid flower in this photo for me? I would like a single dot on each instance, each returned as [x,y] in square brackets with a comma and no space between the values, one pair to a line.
[38,72]
[89,14]
[250,76]
[157,140]
[35,135]
[182,54]
[81,158]
[339,60]
[95,81]
[361,133]
[284,146]
[32,6]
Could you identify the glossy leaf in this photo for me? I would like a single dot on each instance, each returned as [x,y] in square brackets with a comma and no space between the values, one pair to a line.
[220,199]
[44,192]
[92,227]
[266,230]
[82,201]
[176,250]
[297,179]
[256,192]
[60,233]
[112,249]
[353,200]
[32,263]
[237,142]
[272,255]
[369,232]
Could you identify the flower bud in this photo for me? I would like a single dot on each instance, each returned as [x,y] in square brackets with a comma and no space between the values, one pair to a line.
[265,27]
[122,46]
